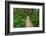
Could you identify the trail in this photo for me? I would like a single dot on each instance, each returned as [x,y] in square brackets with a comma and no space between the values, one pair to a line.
[28,22]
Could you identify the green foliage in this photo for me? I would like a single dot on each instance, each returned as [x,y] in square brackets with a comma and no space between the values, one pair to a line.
[18,21]
[20,14]
[35,18]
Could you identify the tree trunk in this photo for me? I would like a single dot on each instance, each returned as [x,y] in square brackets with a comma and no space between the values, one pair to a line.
[28,22]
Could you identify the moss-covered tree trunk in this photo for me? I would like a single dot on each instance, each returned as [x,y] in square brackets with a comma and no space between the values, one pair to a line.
[28,22]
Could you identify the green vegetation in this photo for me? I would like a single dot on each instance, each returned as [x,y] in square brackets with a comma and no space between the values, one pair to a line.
[19,16]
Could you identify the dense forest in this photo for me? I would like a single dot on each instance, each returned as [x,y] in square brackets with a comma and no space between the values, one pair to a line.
[20,14]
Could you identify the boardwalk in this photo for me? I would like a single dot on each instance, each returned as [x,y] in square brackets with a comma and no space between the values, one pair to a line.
[28,22]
